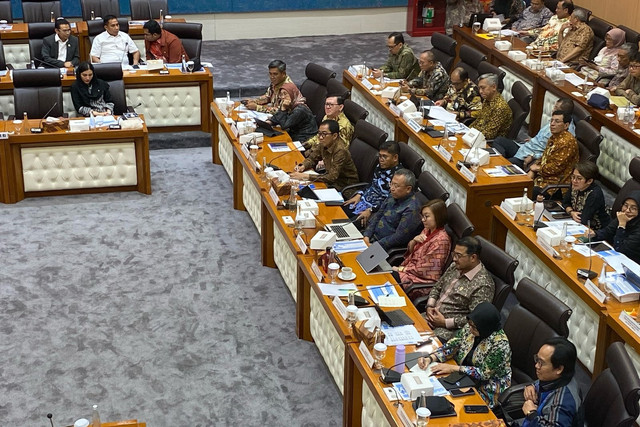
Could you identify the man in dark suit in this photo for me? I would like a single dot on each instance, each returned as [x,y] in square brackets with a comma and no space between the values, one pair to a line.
[60,49]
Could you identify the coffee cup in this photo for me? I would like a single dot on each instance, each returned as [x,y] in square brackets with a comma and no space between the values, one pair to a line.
[347,273]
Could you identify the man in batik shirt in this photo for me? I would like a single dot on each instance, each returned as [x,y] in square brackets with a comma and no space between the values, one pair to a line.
[547,36]
[558,159]
[269,102]
[535,16]
[495,116]
[368,201]
[433,80]
[577,43]
[402,63]
[463,95]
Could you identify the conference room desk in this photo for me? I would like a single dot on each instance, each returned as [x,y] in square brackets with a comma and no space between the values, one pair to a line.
[589,327]
[171,103]
[60,162]
[620,143]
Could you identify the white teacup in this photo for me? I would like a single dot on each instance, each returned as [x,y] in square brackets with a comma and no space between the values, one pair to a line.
[347,273]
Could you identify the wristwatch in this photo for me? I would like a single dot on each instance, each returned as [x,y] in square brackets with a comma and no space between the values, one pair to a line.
[532,414]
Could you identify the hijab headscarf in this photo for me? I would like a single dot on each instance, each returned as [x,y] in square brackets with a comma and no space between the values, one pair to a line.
[486,317]
[92,91]
[618,37]
[294,94]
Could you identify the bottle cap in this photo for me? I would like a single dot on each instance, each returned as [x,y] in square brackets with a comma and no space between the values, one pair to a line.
[423,412]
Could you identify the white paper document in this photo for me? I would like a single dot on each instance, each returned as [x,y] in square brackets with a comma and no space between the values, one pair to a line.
[505,33]
[405,335]
[389,301]
[340,289]
[328,195]
[439,113]
[574,79]
[383,290]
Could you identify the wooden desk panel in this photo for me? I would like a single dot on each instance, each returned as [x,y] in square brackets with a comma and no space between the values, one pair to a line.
[11,160]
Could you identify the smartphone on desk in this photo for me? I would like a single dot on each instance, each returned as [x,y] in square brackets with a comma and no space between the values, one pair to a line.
[459,392]
[476,409]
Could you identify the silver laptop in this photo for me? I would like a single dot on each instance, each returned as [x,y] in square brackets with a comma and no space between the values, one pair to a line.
[345,231]
[374,260]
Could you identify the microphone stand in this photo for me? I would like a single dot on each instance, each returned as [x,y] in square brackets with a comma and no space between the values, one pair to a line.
[582,273]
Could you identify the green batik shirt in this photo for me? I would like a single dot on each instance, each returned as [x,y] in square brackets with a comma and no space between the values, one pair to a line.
[433,85]
[404,65]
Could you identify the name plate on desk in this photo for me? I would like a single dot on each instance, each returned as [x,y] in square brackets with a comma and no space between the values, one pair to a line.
[301,244]
[395,110]
[244,150]
[631,323]
[366,83]
[274,196]
[404,418]
[507,210]
[337,303]
[366,354]
[352,71]
[234,129]
[414,126]
[316,271]
[469,176]
[443,152]
[593,290]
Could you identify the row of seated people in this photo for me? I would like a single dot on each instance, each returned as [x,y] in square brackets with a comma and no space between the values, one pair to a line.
[61,49]
[39,11]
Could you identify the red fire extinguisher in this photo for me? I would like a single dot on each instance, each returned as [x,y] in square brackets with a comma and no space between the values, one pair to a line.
[427,14]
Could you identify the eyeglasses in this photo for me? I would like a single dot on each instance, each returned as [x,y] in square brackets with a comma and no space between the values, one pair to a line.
[458,255]
[425,217]
[630,208]
[392,46]
[538,361]
[329,105]
[323,135]
[394,185]
[634,66]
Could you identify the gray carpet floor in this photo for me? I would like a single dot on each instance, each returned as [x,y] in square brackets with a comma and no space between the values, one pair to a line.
[153,307]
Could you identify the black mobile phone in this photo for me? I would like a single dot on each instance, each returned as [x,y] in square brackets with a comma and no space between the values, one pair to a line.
[458,392]
[476,409]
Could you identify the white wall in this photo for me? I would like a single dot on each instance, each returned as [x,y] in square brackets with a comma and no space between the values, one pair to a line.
[225,26]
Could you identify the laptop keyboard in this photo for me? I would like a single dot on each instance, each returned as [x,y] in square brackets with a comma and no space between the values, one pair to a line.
[340,231]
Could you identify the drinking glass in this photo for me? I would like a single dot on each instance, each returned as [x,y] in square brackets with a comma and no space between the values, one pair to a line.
[453,141]
[476,27]
[17,126]
[332,271]
[424,414]
[379,351]
[352,315]
[190,66]
[569,241]
[298,230]
[475,164]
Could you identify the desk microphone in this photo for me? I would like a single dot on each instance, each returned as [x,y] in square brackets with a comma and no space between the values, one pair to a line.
[464,161]
[42,61]
[273,166]
[39,128]
[588,273]
[126,48]
[537,224]
[50,416]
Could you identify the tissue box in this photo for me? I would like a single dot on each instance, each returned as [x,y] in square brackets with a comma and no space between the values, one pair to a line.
[517,55]
[389,92]
[491,24]
[482,155]
[474,138]
[534,64]
[549,235]
[246,127]
[503,45]
[251,137]
[554,74]
[515,203]
[415,383]
[306,219]
[322,240]
[78,125]
[416,115]
[308,205]
[155,64]
[407,107]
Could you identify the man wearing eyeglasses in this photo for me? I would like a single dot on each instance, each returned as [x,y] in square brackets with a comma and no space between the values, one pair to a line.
[433,80]
[366,202]
[340,170]
[464,285]
[463,96]
[398,219]
[333,107]
[630,87]
[402,63]
[60,49]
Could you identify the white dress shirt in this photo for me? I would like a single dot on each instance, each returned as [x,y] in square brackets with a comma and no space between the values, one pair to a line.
[113,48]
[62,49]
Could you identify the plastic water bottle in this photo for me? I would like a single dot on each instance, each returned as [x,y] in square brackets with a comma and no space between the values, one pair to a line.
[25,123]
[399,362]
[32,65]
[53,18]
[92,121]
[184,64]
[95,418]
[524,202]
[161,18]
[93,15]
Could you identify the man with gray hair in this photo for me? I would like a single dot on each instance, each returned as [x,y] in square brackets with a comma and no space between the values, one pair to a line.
[577,43]
[495,116]
[432,81]
[398,219]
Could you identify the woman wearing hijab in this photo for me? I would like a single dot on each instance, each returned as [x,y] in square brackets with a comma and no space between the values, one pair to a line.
[482,351]
[294,116]
[623,233]
[606,62]
[89,93]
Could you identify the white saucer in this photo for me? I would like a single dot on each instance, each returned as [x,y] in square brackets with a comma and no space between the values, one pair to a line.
[346,279]
[610,115]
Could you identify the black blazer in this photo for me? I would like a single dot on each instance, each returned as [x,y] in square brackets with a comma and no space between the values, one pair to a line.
[50,51]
